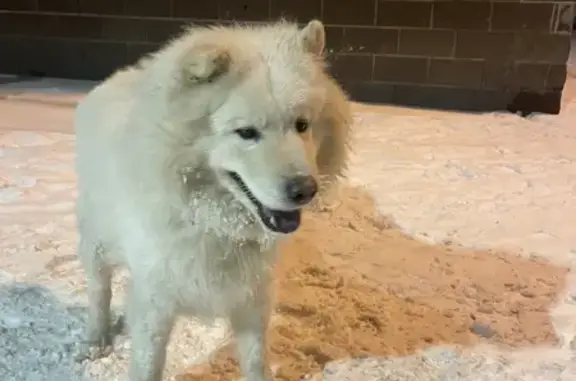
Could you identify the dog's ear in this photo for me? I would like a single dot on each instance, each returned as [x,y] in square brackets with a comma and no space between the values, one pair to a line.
[313,37]
[334,137]
[204,63]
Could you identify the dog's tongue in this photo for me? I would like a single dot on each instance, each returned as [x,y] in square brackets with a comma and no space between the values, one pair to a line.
[284,221]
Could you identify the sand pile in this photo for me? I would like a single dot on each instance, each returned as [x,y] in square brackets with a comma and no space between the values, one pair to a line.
[351,284]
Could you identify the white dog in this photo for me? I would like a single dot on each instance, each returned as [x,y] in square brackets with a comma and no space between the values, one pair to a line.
[191,165]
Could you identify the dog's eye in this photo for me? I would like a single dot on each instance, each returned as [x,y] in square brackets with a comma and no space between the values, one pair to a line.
[301,125]
[248,133]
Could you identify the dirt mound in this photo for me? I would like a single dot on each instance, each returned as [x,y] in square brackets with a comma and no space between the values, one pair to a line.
[351,284]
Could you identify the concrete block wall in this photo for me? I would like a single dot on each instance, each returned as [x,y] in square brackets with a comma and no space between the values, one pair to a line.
[469,55]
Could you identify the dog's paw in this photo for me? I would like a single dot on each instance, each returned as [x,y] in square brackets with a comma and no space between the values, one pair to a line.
[98,346]
[93,350]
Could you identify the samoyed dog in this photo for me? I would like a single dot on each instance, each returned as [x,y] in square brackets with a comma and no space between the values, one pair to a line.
[192,166]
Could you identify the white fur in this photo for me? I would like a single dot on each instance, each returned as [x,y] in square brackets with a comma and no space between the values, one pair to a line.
[153,143]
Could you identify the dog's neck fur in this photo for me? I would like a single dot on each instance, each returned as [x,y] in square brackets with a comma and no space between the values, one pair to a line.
[220,212]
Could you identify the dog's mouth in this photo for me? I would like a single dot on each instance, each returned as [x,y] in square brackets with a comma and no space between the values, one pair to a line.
[279,221]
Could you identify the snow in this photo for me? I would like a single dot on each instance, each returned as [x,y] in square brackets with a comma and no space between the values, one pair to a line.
[484,180]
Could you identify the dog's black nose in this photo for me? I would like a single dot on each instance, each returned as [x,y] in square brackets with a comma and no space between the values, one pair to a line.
[301,189]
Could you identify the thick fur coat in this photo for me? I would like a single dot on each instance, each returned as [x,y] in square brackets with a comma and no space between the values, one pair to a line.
[191,165]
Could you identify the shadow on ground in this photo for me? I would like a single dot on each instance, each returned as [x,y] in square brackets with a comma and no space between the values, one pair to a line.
[351,284]
[39,335]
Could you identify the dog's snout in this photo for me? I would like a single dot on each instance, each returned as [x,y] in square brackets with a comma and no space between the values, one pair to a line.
[301,189]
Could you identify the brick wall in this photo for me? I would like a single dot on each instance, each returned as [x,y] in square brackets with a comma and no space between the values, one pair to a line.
[474,55]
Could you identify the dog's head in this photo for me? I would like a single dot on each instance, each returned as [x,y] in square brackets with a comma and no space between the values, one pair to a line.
[277,124]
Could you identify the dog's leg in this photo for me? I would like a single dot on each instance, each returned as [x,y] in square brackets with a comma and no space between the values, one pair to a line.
[99,288]
[250,325]
[150,321]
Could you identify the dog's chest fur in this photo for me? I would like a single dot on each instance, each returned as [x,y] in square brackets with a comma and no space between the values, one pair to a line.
[202,271]
[220,274]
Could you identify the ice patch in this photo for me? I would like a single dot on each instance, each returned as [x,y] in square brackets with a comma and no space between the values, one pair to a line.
[24,182]
[9,195]
[24,139]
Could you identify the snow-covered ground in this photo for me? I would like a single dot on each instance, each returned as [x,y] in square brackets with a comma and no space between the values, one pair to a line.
[484,180]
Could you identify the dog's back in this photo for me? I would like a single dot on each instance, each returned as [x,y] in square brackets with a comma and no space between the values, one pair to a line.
[99,128]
